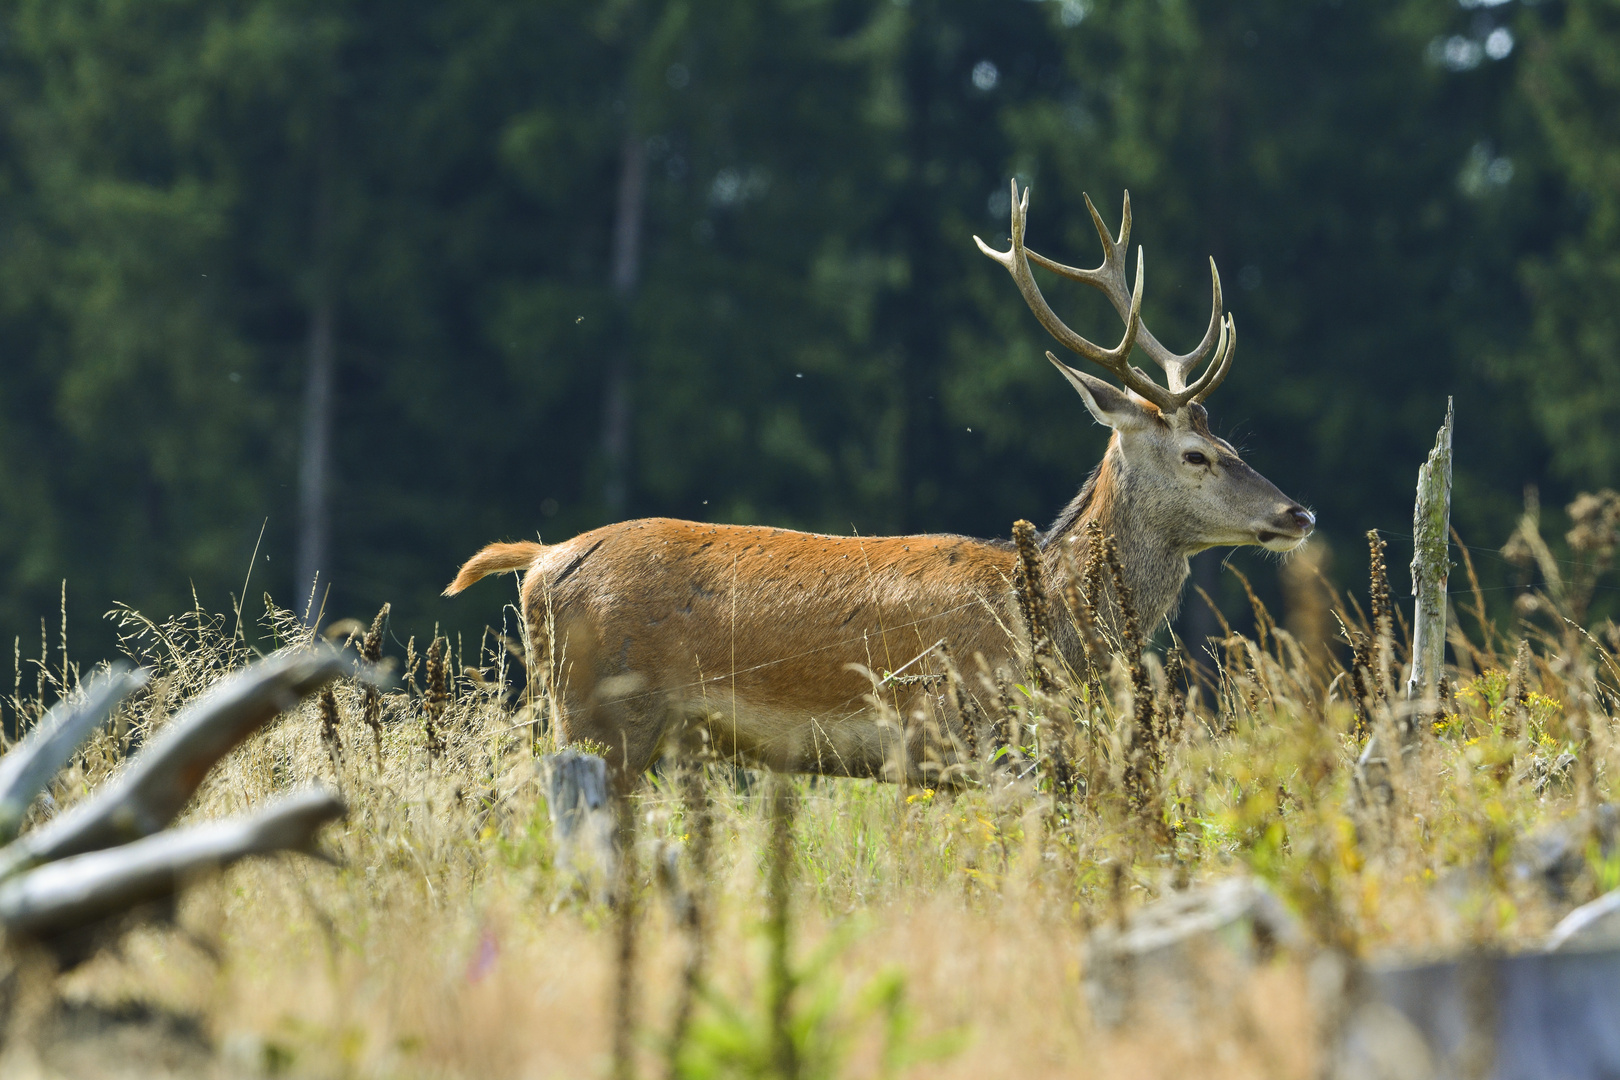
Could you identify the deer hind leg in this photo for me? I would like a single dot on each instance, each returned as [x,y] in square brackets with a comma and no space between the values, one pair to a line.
[622,721]
[588,698]
[614,715]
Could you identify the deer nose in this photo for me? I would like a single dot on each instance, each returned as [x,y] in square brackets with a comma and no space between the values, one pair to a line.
[1302,518]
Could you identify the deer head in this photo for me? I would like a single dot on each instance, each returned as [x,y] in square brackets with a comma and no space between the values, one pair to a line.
[1167,487]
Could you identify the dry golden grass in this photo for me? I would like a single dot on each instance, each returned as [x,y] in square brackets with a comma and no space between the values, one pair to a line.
[931,934]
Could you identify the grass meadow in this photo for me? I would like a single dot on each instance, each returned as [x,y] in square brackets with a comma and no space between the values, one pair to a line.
[815,928]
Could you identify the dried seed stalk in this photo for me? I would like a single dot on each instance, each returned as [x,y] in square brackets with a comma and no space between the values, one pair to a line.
[780,978]
[1008,731]
[411,661]
[963,705]
[1518,704]
[1382,610]
[540,631]
[1030,584]
[1173,714]
[1081,608]
[1144,756]
[1371,653]
[435,699]
[698,811]
[330,737]
[1056,735]
[1096,559]
[1361,666]
[371,653]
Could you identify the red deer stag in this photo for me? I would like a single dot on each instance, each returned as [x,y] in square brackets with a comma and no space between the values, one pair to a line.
[765,635]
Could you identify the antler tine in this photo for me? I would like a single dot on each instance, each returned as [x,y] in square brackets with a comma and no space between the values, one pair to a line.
[1215,374]
[1112,248]
[1177,367]
[1108,277]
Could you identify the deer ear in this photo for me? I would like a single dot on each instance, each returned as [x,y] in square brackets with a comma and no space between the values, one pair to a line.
[1111,406]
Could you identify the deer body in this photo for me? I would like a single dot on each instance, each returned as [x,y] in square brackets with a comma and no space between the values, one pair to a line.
[777,641]
[761,634]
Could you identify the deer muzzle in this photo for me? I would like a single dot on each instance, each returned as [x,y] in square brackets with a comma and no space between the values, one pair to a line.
[1287,530]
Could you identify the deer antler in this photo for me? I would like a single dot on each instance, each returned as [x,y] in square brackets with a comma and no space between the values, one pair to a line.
[1109,279]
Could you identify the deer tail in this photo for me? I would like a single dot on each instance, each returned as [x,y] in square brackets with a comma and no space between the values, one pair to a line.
[495,559]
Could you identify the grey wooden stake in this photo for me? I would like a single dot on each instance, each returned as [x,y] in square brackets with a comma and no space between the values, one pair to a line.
[583,822]
[1431,522]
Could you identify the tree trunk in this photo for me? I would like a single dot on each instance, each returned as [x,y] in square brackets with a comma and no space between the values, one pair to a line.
[626,271]
[315,460]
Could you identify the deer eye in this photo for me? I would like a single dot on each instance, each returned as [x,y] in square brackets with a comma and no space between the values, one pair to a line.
[1194,457]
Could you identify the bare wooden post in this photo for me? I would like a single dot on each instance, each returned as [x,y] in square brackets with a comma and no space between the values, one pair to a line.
[582,819]
[1431,523]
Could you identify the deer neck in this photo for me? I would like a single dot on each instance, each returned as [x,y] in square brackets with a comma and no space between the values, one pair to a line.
[1153,563]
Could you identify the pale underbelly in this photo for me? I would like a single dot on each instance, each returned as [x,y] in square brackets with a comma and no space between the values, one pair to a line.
[857,741]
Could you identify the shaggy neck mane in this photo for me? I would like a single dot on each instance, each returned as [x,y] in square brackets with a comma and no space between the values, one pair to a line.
[1155,567]
[1076,511]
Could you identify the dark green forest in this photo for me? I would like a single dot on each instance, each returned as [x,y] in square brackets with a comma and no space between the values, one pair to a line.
[383,282]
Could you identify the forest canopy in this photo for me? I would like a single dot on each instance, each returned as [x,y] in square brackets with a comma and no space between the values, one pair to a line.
[356,287]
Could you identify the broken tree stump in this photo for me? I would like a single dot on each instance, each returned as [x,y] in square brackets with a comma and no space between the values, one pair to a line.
[1431,522]
[1431,564]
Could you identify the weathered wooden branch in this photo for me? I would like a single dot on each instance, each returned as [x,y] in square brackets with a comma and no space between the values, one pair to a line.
[74,892]
[30,765]
[1164,958]
[158,782]
[1595,925]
